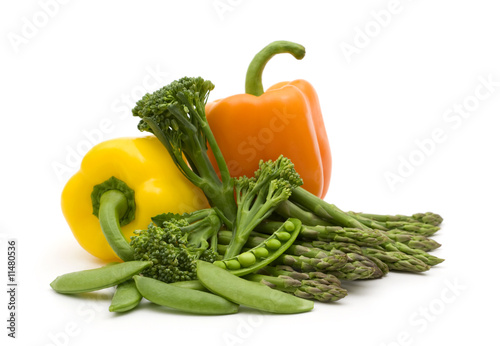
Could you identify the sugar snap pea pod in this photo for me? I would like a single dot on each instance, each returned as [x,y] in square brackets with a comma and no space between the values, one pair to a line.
[266,252]
[126,297]
[183,299]
[251,294]
[99,278]
[191,284]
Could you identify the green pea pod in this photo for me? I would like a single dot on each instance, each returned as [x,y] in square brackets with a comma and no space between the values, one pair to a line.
[126,297]
[263,254]
[99,278]
[191,284]
[251,294]
[183,299]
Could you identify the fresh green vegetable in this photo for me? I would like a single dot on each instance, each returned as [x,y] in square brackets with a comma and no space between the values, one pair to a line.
[264,251]
[315,285]
[257,197]
[175,246]
[251,294]
[413,241]
[191,284]
[289,271]
[322,259]
[358,267]
[361,237]
[324,210]
[307,264]
[126,297]
[428,218]
[413,225]
[183,299]
[419,254]
[396,260]
[175,114]
[289,209]
[99,278]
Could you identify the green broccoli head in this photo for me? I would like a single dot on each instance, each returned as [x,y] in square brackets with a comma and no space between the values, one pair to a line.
[259,196]
[173,107]
[174,244]
[281,168]
[272,183]
[175,114]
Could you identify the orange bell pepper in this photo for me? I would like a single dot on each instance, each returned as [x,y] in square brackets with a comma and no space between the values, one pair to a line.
[286,120]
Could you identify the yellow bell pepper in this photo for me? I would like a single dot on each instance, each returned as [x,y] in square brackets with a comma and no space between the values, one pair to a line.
[155,186]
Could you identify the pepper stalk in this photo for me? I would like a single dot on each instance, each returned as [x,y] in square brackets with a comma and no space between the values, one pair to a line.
[113,203]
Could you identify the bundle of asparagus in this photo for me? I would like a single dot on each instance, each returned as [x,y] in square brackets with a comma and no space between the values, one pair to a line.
[334,245]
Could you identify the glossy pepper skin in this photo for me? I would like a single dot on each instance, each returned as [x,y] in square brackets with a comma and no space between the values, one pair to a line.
[285,120]
[145,166]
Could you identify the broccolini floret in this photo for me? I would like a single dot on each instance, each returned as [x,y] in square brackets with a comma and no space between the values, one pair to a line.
[258,197]
[174,242]
[175,114]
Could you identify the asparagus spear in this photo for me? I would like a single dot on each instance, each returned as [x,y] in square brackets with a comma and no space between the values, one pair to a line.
[289,271]
[428,218]
[358,267]
[413,241]
[412,227]
[419,254]
[342,246]
[362,237]
[306,264]
[317,289]
[397,260]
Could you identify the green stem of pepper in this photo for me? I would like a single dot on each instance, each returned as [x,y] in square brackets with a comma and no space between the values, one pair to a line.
[112,207]
[253,81]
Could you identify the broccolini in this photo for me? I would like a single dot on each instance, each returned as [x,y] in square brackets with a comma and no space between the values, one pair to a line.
[174,243]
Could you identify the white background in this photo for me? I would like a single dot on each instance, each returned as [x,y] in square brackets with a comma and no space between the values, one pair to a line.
[68,66]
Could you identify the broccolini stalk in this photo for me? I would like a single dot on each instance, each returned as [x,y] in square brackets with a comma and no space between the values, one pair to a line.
[258,197]
[175,114]
[324,210]
[288,209]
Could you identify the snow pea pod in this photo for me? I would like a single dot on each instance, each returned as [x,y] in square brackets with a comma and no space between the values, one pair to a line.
[183,299]
[251,294]
[126,297]
[99,278]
